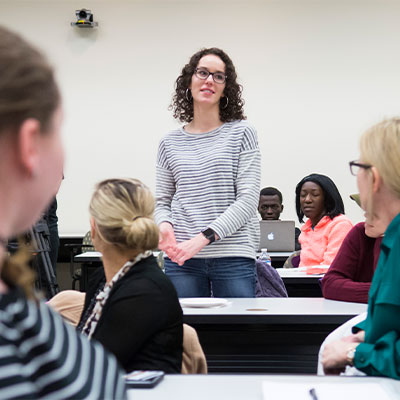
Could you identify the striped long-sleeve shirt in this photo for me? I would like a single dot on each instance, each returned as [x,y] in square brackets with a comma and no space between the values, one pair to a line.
[42,357]
[211,180]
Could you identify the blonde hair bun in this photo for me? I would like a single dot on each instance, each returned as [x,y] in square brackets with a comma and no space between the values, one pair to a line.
[123,211]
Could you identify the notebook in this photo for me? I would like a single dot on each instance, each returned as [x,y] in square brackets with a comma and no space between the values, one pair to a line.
[277,235]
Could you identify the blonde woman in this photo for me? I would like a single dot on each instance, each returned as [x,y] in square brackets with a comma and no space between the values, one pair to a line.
[40,355]
[374,347]
[132,308]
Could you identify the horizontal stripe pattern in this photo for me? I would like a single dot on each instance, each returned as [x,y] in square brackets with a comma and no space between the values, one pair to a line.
[42,357]
[211,180]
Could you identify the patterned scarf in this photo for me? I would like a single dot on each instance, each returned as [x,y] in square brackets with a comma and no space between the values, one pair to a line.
[102,297]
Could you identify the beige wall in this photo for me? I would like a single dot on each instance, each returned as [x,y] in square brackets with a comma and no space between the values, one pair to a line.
[315,75]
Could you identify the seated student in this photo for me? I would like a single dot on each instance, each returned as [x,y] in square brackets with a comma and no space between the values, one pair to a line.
[318,198]
[133,309]
[69,304]
[40,355]
[270,208]
[374,347]
[350,274]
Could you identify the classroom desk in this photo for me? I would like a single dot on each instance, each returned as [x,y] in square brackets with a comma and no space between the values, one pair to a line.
[268,335]
[278,258]
[92,259]
[91,256]
[299,284]
[249,387]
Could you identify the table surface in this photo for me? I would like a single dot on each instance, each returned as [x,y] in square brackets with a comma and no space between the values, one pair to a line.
[248,387]
[280,306]
[91,255]
[267,335]
[286,273]
[275,310]
[96,256]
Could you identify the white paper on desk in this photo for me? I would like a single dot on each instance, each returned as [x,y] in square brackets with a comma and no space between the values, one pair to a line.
[325,391]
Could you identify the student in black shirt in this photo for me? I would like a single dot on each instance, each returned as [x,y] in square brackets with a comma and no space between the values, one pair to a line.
[133,308]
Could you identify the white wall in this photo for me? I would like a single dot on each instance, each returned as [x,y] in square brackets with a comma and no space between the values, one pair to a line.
[315,75]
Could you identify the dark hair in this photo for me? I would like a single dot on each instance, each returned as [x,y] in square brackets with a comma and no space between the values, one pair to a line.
[27,85]
[332,200]
[182,105]
[271,191]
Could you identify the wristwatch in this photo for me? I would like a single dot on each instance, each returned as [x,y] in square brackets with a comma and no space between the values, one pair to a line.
[350,356]
[209,234]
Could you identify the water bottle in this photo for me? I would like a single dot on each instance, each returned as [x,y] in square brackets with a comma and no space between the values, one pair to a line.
[265,257]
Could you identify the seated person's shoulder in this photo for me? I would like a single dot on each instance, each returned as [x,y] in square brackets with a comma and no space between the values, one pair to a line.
[146,278]
[358,230]
[341,221]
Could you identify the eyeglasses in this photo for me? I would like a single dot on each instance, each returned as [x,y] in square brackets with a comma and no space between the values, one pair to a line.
[203,74]
[355,167]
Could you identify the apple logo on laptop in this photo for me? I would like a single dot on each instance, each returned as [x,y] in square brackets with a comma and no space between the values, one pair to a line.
[271,236]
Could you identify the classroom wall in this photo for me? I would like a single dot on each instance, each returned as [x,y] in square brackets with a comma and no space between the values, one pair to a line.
[315,75]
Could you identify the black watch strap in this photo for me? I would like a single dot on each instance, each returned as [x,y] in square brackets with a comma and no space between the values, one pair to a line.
[209,234]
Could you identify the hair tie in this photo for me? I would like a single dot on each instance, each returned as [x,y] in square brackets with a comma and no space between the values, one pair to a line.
[135,218]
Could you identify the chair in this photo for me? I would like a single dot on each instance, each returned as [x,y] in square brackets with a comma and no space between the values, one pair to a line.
[69,304]
[193,358]
[75,249]
[293,261]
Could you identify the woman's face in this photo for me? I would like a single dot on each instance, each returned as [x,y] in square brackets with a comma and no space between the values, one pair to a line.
[375,225]
[206,91]
[364,185]
[312,201]
[373,231]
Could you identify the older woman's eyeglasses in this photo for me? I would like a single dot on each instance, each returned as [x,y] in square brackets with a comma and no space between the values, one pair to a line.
[203,74]
[355,167]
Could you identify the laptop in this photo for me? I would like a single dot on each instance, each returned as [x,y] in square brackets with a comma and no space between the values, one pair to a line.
[277,235]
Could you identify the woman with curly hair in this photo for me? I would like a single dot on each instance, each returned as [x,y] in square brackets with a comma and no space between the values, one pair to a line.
[208,175]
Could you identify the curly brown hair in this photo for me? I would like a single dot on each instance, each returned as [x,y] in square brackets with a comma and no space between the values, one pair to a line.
[182,105]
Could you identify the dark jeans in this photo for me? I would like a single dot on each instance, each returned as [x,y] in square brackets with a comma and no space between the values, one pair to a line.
[221,277]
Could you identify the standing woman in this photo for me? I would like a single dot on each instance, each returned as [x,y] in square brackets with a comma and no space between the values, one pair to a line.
[374,348]
[40,356]
[208,176]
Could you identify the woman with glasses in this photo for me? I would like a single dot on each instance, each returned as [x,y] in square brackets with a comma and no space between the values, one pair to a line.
[208,175]
[40,356]
[318,199]
[374,347]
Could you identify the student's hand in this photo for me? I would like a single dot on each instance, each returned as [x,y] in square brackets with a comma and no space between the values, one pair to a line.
[356,338]
[167,242]
[334,357]
[360,336]
[189,248]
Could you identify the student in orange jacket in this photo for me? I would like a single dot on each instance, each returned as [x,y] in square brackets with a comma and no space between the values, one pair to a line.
[318,199]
